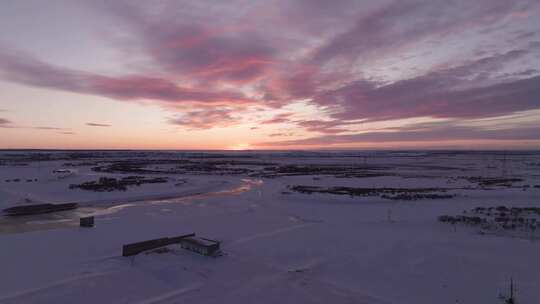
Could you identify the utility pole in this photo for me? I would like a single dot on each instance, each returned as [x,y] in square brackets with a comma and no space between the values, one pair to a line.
[510,299]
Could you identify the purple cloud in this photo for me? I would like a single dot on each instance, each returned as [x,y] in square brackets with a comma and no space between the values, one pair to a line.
[403,23]
[465,91]
[422,133]
[328,127]
[29,71]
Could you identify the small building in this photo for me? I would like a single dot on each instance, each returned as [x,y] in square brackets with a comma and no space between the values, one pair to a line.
[200,245]
[87,221]
[39,209]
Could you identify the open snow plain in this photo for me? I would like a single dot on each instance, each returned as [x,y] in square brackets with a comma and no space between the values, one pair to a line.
[295,227]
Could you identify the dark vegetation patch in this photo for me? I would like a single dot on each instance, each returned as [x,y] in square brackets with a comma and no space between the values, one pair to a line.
[16,180]
[500,218]
[386,193]
[182,166]
[15,164]
[485,182]
[209,156]
[107,184]
[132,167]
[335,170]
[428,166]
[81,164]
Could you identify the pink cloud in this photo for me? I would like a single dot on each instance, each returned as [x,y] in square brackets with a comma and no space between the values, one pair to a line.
[202,51]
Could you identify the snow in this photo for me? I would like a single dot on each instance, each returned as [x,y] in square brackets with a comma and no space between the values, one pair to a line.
[278,247]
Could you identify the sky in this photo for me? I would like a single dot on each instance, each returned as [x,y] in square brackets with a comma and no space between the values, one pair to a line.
[272,74]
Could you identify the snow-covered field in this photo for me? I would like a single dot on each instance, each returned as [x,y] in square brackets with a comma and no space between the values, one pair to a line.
[347,242]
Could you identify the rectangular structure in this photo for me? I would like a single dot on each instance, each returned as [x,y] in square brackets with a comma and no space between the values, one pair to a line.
[200,245]
[136,248]
[87,221]
[39,209]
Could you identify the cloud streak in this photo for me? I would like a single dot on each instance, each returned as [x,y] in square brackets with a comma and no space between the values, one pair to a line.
[93,124]
[8,124]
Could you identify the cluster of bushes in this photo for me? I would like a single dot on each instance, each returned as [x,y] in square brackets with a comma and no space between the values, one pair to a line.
[107,184]
[493,181]
[417,196]
[340,171]
[220,167]
[386,193]
[80,164]
[501,217]
[471,220]
[125,167]
[16,180]
[503,209]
